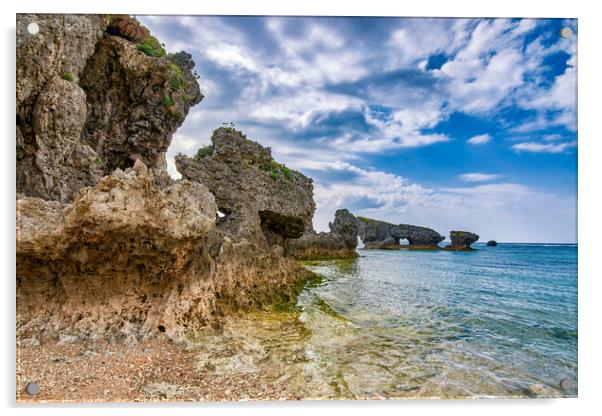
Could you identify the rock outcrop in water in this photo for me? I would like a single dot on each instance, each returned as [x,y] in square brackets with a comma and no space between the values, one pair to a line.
[340,242]
[491,243]
[383,235]
[263,201]
[107,244]
[89,102]
[461,240]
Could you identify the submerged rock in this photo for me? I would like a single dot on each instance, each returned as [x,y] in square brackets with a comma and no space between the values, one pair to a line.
[383,235]
[461,240]
[340,242]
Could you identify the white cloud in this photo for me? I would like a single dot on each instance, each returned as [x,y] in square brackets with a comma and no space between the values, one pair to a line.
[478,177]
[544,147]
[277,92]
[300,109]
[480,139]
[230,56]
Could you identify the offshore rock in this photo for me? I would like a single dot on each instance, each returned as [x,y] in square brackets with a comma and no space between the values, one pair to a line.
[383,235]
[491,243]
[461,240]
[263,201]
[127,260]
[340,242]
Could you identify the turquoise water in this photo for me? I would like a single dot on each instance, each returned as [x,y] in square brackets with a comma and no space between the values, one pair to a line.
[498,321]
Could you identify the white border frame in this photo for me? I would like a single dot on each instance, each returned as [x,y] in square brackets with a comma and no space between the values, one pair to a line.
[590,207]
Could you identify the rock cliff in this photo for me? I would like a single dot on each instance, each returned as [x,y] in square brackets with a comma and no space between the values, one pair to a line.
[107,244]
[340,242]
[127,259]
[381,234]
[89,102]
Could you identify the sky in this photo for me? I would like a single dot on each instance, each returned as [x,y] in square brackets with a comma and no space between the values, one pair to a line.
[453,124]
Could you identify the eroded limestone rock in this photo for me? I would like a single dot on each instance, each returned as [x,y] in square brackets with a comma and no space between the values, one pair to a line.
[89,102]
[52,161]
[135,104]
[127,260]
[263,201]
[340,242]
[461,240]
[381,234]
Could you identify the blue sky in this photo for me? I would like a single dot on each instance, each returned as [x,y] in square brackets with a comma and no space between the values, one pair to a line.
[447,123]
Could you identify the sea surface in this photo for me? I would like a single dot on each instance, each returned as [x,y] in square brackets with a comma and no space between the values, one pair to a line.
[494,322]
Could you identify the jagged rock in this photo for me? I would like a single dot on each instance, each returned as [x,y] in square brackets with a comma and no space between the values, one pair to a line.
[118,254]
[135,104]
[52,162]
[127,259]
[384,235]
[128,28]
[340,242]
[461,240]
[263,201]
[491,243]
[89,102]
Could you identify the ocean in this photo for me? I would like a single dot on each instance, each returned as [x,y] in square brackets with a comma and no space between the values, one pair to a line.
[494,322]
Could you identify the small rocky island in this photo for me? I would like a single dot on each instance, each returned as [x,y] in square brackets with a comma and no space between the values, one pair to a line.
[461,240]
[386,236]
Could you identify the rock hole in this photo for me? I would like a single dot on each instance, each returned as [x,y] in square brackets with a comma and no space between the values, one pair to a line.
[222,215]
[161,328]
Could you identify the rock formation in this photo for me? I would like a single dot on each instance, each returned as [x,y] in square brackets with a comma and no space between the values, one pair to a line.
[384,235]
[491,243]
[340,242]
[107,244]
[461,240]
[263,201]
[89,102]
[127,259]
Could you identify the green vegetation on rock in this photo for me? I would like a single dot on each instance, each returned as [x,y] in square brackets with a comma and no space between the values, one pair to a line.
[366,219]
[69,76]
[168,101]
[203,152]
[177,80]
[288,301]
[276,169]
[152,47]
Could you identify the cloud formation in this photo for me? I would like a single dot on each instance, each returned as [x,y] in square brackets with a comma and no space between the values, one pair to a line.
[478,177]
[480,139]
[378,112]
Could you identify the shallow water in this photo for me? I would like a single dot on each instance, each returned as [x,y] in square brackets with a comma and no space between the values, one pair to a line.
[499,321]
